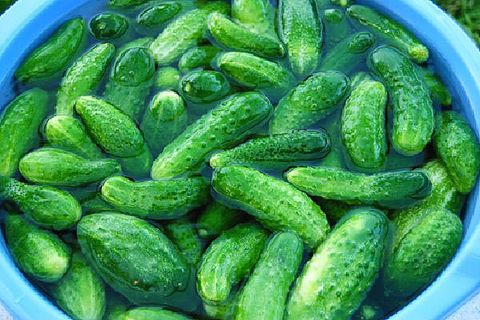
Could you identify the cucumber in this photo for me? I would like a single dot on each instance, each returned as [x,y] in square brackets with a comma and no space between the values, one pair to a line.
[237,37]
[301,30]
[273,202]
[165,118]
[336,26]
[342,3]
[228,259]
[438,90]
[457,145]
[223,310]
[184,235]
[390,30]
[363,125]
[50,166]
[158,14]
[138,166]
[125,3]
[388,189]
[221,127]
[83,77]
[38,253]
[152,313]
[116,306]
[335,210]
[413,119]
[338,277]
[114,131]
[46,206]
[281,150]
[54,55]
[217,218]
[96,205]
[264,296]
[256,15]
[167,78]
[197,57]
[310,101]
[137,43]
[108,26]
[81,292]
[165,199]
[204,86]
[130,81]
[19,126]
[132,257]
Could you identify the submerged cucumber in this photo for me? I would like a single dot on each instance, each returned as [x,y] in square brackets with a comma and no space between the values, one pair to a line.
[336,26]
[438,90]
[138,166]
[184,235]
[257,15]
[125,3]
[151,313]
[167,78]
[108,26]
[158,14]
[217,218]
[197,57]
[204,86]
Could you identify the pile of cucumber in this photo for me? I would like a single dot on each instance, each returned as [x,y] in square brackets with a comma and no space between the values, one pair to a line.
[217,160]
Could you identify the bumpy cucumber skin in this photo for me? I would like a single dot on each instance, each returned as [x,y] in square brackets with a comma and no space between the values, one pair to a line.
[165,118]
[363,125]
[109,127]
[338,277]
[152,269]
[438,90]
[167,78]
[217,218]
[277,150]
[275,203]
[413,119]
[336,26]
[125,3]
[224,125]
[108,26]
[239,38]
[310,101]
[19,126]
[197,57]
[204,86]
[458,147]
[184,235]
[39,253]
[228,259]
[81,292]
[158,14]
[166,199]
[54,55]
[257,15]
[265,294]
[152,313]
[50,166]
[184,33]
[301,30]
[391,30]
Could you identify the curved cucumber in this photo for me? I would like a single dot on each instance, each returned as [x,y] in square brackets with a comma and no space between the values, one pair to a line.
[151,313]
[204,86]
[158,14]
[184,235]
[257,15]
[108,26]
[438,90]
[223,126]
[201,56]
[273,202]
[336,26]
[217,218]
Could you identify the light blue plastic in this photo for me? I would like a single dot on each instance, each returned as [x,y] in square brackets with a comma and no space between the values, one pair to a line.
[454,53]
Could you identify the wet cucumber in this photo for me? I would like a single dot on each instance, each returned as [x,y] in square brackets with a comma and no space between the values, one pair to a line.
[166,199]
[108,26]
[310,102]
[336,26]
[264,295]
[19,127]
[280,150]
[167,78]
[151,313]
[257,15]
[95,205]
[125,3]
[223,126]
[228,259]
[137,43]
[204,86]
[354,251]
[273,202]
[217,218]
[138,166]
[158,14]
[335,210]
[197,57]
[184,235]
[413,119]
[438,90]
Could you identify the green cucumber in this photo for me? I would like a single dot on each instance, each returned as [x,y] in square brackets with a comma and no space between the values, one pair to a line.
[217,218]
[335,210]
[184,235]
[126,3]
[138,166]
[338,277]
[96,205]
[223,310]
[167,78]
[197,57]
[204,86]
[137,43]
[438,90]
[221,127]
[264,296]
[257,15]
[413,120]
[273,202]
[158,14]
[336,26]
[342,3]
[108,26]
[152,313]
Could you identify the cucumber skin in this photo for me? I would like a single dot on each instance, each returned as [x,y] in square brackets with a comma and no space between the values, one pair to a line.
[355,248]
[53,56]
[152,269]
[257,15]
[152,313]
[138,166]
[204,86]
[363,125]
[228,259]
[19,127]
[217,218]
[184,235]
[438,90]
[158,14]
[197,57]
[222,127]
[264,295]
[166,199]
[137,43]
[95,205]
[108,26]
[167,78]
[413,119]
[125,3]
[273,202]
[310,101]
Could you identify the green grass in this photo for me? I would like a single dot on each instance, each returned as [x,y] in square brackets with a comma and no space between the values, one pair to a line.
[467,12]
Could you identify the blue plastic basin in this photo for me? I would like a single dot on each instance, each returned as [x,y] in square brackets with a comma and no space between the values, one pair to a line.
[457,59]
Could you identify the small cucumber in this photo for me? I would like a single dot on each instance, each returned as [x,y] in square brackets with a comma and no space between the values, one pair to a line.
[197,57]
[96,205]
[363,125]
[137,43]
[438,90]
[81,292]
[164,199]
[457,145]
[138,166]
[167,78]
[301,30]
[264,296]
[239,38]
[335,210]
[223,310]
[391,30]
[275,203]
[125,3]
[337,278]
[217,218]
[281,150]
[204,86]
[158,14]
[222,127]
[336,26]
[19,125]
[53,56]
[413,119]
[228,259]
[108,26]
[184,235]
[256,15]
[39,253]
[310,101]
[342,3]
[152,313]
